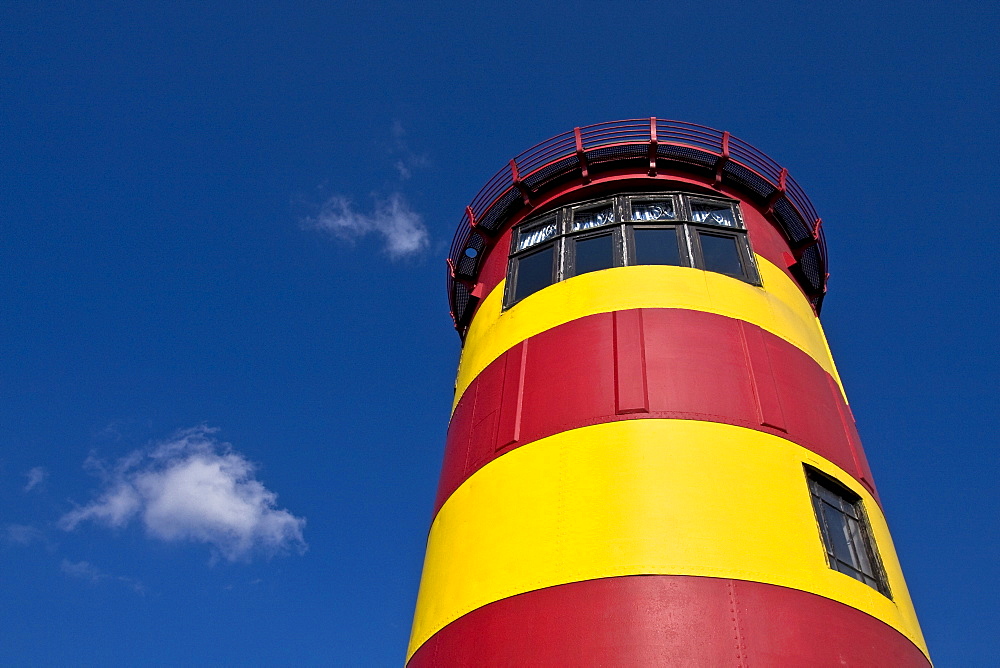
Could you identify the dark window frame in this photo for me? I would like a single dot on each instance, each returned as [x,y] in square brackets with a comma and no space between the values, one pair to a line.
[622,229]
[683,247]
[859,539]
[528,252]
[571,241]
[517,255]
[748,266]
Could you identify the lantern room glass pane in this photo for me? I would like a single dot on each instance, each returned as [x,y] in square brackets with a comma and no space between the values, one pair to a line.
[536,234]
[657,246]
[648,211]
[594,254]
[585,220]
[721,254]
[534,272]
[713,213]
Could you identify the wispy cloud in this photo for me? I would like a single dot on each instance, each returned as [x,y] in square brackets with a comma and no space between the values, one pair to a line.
[192,488]
[405,160]
[391,217]
[22,534]
[36,476]
[401,228]
[84,570]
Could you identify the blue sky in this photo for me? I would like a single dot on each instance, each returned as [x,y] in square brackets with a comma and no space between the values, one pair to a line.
[223,232]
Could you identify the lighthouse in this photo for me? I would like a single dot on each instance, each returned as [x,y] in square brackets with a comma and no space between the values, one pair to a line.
[651,459]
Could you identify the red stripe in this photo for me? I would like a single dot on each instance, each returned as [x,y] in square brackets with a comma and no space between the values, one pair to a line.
[657,363]
[651,620]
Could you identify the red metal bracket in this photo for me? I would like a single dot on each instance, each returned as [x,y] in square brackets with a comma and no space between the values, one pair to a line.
[780,192]
[489,238]
[811,241]
[652,145]
[518,183]
[581,156]
[464,281]
[723,159]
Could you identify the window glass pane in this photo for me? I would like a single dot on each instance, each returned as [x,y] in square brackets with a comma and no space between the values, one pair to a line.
[536,234]
[839,535]
[861,548]
[594,254]
[584,220]
[849,570]
[647,210]
[721,254]
[656,246]
[827,495]
[534,272]
[713,213]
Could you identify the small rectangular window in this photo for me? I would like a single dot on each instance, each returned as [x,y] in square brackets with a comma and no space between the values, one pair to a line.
[649,211]
[845,532]
[593,253]
[532,272]
[591,218]
[713,213]
[536,234]
[657,245]
[721,253]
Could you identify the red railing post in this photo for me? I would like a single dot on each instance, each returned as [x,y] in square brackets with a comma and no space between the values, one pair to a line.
[581,156]
[723,159]
[652,145]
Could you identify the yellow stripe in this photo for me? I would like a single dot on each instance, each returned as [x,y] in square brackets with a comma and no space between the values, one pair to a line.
[779,307]
[673,497]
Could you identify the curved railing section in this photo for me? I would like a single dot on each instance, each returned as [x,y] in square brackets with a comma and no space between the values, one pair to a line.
[644,145]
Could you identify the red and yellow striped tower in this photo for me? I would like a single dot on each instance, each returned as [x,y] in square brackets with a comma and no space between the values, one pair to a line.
[651,460]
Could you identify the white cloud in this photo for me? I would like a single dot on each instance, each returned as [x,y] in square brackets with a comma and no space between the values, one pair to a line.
[193,488]
[36,476]
[401,228]
[84,570]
